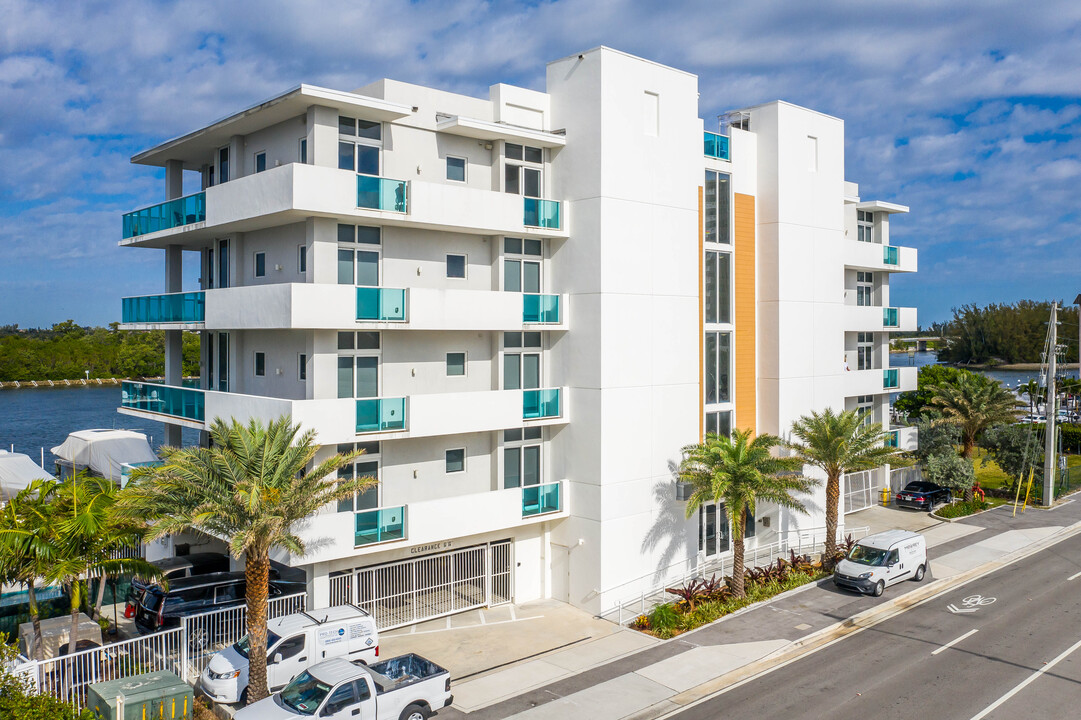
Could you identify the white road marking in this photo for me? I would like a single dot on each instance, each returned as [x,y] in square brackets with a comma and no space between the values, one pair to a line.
[482,620]
[951,643]
[1073,577]
[1027,681]
[955,610]
[460,627]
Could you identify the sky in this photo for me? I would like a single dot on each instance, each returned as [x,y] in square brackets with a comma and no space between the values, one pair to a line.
[967,112]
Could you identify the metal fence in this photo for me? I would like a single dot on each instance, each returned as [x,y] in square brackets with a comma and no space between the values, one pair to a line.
[806,542]
[900,477]
[185,650]
[861,490]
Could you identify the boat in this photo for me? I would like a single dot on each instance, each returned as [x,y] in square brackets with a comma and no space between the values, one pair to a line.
[106,453]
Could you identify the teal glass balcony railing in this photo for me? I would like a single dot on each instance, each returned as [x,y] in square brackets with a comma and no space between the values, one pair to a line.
[541,213]
[890,255]
[163,216]
[717,146]
[540,308]
[379,525]
[540,499]
[181,402]
[889,317]
[890,379]
[380,414]
[375,303]
[543,403]
[376,193]
[892,439]
[186,307]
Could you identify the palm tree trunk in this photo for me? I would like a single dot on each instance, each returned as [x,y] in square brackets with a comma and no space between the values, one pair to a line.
[35,618]
[737,521]
[256,573]
[833,498]
[967,448]
[73,636]
[101,596]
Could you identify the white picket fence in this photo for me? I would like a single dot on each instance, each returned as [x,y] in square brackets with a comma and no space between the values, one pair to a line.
[653,593]
[185,650]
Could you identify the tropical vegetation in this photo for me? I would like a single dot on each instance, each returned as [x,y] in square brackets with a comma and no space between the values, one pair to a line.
[19,700]
[999,333]
[738,472]
[252,487]
[836,444]
[67,351]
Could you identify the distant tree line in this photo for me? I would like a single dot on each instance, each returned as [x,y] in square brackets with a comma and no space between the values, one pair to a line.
[66,351]
[1001,333]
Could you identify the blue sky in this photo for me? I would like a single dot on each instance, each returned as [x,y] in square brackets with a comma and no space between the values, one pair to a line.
[968,112]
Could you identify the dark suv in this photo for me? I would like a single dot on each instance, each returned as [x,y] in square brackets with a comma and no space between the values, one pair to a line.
[159,609]
[175,568]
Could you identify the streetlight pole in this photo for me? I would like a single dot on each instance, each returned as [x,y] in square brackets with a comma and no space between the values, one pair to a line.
[1052,414]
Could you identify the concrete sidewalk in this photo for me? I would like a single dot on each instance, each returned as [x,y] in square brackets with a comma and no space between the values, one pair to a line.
[662,674]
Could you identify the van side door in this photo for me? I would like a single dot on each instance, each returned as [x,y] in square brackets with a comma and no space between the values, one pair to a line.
[286,661]
[895,568]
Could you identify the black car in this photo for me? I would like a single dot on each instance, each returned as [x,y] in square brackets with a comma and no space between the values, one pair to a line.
[922,495]
[175,568]
[159,609]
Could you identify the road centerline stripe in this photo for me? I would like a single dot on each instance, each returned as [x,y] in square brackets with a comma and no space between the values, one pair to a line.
[1027,681]
[953,642]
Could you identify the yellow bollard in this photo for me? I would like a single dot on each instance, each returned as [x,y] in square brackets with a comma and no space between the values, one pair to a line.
[885,497]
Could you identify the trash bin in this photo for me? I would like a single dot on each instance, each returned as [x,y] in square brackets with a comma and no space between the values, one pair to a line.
[153,696]
[885,497]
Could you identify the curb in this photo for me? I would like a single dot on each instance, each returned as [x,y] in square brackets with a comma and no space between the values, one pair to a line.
[966,517]
[839,631]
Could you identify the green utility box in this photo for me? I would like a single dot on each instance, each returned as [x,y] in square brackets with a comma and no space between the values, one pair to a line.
[150,696]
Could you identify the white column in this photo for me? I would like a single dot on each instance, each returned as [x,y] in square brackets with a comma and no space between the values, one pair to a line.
[322,136]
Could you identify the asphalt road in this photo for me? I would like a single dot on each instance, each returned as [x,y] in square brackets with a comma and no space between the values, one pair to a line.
[1016,653]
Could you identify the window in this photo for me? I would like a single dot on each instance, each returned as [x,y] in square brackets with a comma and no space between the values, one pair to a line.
[522,265]
[712,530]
[865,225]
[362,689]
[360,155]
[748,523]
[718,207]
[455,364]
[358,266]
[865,288]
[302,258]
[718,367]
[865,408]
[340,699]
[456,266]
[456,460]
[455,169]
[865,351]
[260,264]
[260,162]
[304,150]
[358,364]
[223,165]
[260,364]
[718,287]
[291,647]
[365,465]
[521,457]
[521,360]
[719,423]
[522,170]
[302,367]
[223,264]
[359,128]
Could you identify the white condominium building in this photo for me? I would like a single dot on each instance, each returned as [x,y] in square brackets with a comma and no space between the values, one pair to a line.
[521,308]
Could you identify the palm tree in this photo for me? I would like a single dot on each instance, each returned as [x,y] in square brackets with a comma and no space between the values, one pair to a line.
[974,403]
[89,536]
[250,488]
[1032,390]
[838,443]
[739,471]
[27,545]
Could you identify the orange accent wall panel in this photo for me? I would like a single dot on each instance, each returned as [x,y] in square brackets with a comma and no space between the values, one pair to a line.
[743,278]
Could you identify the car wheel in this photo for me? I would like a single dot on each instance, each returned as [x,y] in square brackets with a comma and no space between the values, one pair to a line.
[879,587]
[414,712]
[919,573]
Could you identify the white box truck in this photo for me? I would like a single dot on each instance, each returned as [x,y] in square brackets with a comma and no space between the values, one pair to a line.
[882,559]
[294,643]
[407,687]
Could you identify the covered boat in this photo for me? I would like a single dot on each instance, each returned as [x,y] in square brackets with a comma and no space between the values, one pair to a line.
[17,471]
[103,452]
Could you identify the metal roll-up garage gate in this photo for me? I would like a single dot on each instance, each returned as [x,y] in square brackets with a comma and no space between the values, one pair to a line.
[409,591]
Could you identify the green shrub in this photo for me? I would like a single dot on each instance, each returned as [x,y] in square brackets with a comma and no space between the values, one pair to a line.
[663,620]
[18,699]
[962,508]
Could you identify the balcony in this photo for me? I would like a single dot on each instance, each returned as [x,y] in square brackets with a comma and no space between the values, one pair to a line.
[172,308]
[178,402]
[890,379]
[716,146]
[376,193]
[542,403]
[380,415]
[540,309]
[290,193]
[540,499]
[875,318]
[381,304]
[541,213]
[876,257]
[379,526]
[877,382]
[176,213]
[905,438]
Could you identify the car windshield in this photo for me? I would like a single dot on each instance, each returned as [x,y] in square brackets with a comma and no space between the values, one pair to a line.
[304,694]
[243,644]
[867,555]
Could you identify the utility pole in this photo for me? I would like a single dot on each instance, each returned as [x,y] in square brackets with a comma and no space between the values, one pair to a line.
[1049,466]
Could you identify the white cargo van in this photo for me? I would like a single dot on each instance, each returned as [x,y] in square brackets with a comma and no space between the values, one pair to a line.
[294,643]
[883,559]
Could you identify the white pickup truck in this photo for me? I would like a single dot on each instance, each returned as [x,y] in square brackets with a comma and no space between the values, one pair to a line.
[406,687]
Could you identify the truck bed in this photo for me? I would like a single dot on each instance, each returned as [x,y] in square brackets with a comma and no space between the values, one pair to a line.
[402,671]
